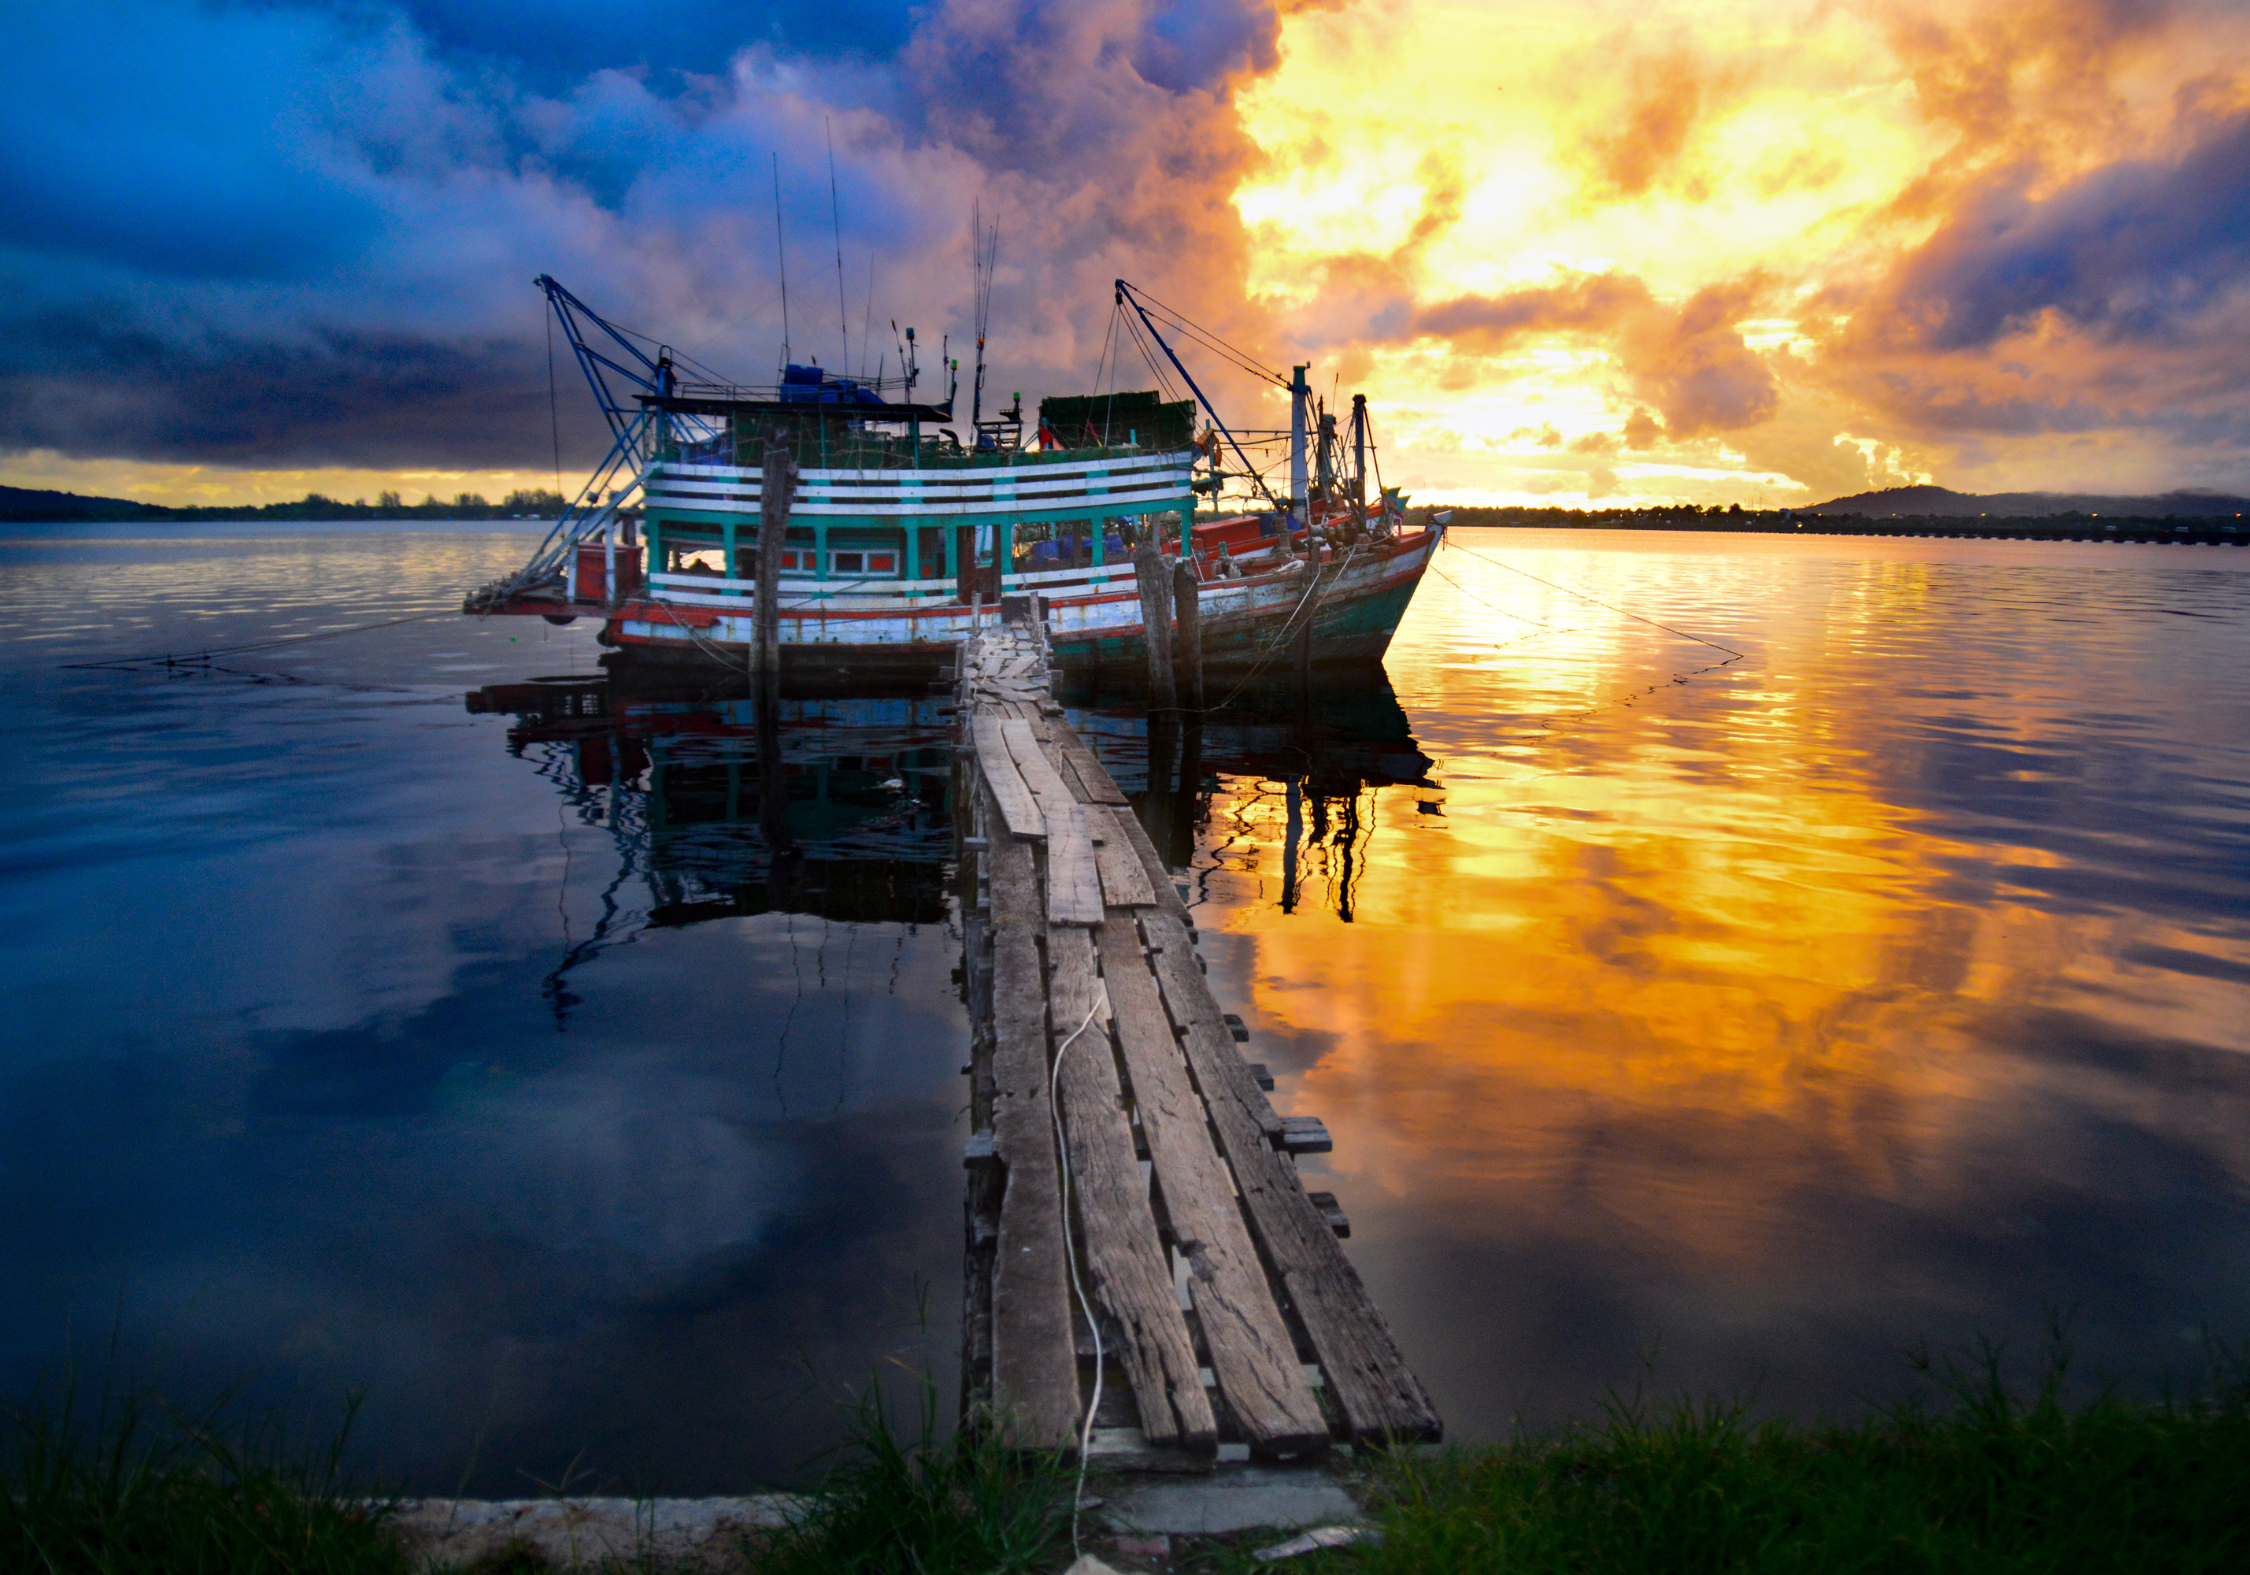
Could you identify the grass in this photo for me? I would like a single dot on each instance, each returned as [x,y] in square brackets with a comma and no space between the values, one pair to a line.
[966,1502]
[1988,1478]
[1991,1481]
[138,1487]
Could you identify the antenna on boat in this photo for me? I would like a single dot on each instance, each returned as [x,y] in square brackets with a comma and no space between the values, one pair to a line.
[1004,432]
[782,251]
[836,213]
[867,325]
[984,251]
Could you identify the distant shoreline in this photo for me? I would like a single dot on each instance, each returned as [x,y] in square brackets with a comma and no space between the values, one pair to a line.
[26,506]
[2202,530]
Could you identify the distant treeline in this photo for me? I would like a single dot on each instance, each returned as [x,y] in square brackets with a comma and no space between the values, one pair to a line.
[2070,526]
[21,505]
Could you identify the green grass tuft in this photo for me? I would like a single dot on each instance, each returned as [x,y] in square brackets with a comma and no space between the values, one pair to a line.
[139,1487]
[935,1505]
[1992,1482]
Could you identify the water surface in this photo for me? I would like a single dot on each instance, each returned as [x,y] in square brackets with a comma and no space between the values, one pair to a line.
[354,1041]
[1801,947]
[1724,958]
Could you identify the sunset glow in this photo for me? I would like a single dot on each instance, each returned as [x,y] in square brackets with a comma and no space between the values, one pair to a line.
[1690,251]
[1764,169]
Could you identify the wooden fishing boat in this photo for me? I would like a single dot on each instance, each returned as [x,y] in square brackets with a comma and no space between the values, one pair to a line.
[898,544]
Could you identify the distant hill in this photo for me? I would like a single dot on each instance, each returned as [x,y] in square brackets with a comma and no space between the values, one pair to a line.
[1900,502]
[22,505]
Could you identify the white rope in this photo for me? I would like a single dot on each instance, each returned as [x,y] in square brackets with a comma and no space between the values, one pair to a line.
[1070,1256]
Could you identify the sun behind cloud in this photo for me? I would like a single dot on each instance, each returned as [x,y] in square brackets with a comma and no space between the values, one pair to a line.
[1608,253]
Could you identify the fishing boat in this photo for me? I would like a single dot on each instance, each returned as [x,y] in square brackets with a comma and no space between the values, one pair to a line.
[901,538]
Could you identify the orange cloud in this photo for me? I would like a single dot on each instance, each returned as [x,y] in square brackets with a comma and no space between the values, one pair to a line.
[1803,245]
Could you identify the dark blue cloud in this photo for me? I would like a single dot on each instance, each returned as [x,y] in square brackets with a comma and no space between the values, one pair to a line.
[174,141]
[386,400]
[552,46]
[303,233]
[2135,250]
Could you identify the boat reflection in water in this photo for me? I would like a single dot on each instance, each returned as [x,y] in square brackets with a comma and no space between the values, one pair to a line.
[1318,753]
[856,825]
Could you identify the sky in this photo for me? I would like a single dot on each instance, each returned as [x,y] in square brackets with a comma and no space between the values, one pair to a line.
[1578,252]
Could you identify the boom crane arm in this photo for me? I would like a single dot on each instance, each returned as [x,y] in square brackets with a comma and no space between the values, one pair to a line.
[1128,296]
[650,377]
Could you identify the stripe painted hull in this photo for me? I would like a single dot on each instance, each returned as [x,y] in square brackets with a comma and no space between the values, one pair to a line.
[1246,625]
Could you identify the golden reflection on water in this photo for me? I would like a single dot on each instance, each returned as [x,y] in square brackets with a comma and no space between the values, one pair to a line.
[1675,941]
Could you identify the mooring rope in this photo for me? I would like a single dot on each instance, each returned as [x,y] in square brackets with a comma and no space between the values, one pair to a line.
[1070,1256]
[1598,602]
[174,659]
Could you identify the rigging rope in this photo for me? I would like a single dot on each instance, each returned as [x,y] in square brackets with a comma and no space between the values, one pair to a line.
[1598,602]
[172,659]
[1211,341]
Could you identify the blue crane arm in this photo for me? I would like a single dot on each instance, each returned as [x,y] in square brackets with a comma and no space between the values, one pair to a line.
[1127,296]
[649,376]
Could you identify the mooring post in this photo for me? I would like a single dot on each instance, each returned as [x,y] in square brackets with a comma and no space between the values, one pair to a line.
[1300,654]
[777,491]
[1189,617]
[1156,622]
[1158,804]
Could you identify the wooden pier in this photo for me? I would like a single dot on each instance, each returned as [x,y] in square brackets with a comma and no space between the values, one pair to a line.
[1123,1151]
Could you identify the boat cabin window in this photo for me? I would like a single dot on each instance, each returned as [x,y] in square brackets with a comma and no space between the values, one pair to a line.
[862,562]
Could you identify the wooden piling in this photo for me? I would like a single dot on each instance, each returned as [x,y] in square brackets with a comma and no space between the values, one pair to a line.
[777,493]
[1300,644]
[1156,621]
[1188,615]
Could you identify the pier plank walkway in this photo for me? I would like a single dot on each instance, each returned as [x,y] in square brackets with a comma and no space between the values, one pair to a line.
[1226,1304]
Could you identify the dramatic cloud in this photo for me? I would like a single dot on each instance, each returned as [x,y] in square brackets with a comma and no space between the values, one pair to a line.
[1602,249]
[289,235]
[1771,250]
[2140,249]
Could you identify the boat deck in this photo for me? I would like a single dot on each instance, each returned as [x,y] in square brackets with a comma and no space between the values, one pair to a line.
[1124,1156]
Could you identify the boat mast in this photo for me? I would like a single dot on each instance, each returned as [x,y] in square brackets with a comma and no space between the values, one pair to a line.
[1299,392]
[781,251]
[836,214]
[1359,459]
[984,251]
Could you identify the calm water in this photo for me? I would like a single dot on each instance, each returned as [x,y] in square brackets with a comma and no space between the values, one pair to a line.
[1736,1012]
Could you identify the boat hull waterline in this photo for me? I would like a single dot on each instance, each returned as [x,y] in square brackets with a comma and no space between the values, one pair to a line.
[1247,623]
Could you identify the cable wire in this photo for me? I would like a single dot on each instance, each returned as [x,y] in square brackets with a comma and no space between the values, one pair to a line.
[172,659]
[1598,602]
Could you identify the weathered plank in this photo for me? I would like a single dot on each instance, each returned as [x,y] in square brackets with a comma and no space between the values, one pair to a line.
[1252,1354]
[1125,881]
[1100,789]
[1130,1275]
[1019,810]
[1065,766]
[1034,1363]
[1038,775]
[1160,878]
[1074,887]
[1380,1398]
